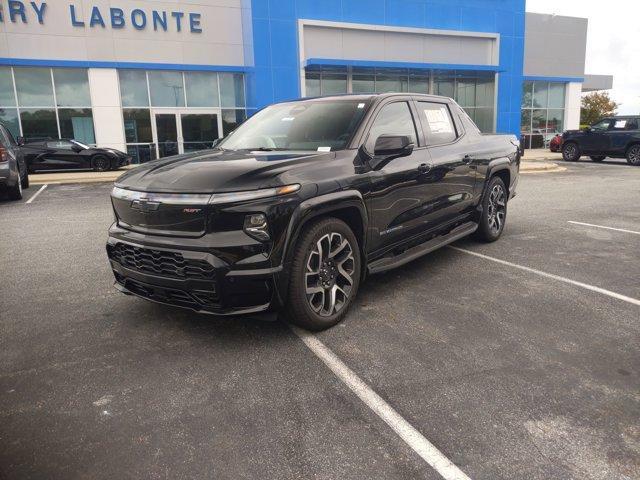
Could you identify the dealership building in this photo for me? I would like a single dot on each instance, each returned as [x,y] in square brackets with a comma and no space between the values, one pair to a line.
[160,78]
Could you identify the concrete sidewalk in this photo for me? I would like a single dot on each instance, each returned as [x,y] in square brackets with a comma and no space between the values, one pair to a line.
[533,161]
[87,176]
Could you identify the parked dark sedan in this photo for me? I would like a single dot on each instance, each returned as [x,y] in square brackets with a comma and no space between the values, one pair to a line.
[70,154]
[13,171]
[617,137]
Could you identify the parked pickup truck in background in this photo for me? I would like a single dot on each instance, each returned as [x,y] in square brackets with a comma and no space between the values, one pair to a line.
[303,200]
[617,137]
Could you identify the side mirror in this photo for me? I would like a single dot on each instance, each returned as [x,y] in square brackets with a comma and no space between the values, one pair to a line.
[393,146]
[20,140]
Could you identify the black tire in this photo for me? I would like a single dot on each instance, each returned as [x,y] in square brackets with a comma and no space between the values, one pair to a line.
[100,163]
[494,211]
[25,179]
[571,152]
[633,155]
[15,192]
[335,276]
[597,158]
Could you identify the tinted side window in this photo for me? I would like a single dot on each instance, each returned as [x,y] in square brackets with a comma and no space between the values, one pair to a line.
[59,145]
[602,125]
[438,123]
[632,124]
[393,119]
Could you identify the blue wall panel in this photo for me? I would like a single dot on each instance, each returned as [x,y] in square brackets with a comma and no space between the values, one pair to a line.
[275,39]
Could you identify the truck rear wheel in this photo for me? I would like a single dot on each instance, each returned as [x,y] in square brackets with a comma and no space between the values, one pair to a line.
[633,155]
[325,275]
[494,211]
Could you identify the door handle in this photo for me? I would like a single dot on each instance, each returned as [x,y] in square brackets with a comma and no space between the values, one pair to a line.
[467,159]
[424,168]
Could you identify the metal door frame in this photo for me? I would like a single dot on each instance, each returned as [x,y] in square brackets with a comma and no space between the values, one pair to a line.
[178,112]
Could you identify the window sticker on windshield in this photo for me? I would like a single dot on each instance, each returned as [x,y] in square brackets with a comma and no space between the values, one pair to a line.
[287,119]
[621,123]
[438,120]
[361,105]
[324,149]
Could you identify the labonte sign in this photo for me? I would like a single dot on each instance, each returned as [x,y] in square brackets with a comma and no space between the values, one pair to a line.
[17,11]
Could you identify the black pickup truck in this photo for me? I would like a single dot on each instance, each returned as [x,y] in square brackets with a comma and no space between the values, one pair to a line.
[616,137]
[293,209]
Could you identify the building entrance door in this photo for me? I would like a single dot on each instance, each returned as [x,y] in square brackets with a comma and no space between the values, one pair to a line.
[179,131]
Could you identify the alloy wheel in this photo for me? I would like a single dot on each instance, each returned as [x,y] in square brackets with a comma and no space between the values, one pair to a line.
[329,274]
[497,208]
[634,155]
[570,152]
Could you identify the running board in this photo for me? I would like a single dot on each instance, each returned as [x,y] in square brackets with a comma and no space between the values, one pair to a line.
[387,263]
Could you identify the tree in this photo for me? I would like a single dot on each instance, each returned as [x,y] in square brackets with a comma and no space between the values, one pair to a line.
[595,106]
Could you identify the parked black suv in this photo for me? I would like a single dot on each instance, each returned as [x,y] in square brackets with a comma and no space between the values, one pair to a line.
[617,137]
[300,202]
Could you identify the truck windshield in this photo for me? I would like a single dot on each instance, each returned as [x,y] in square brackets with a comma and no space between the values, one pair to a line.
[307,125]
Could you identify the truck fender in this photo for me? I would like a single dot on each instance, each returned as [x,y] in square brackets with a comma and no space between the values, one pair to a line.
[306,212]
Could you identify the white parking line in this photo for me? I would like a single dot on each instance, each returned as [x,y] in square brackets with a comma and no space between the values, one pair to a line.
[37,193]
[602,226]
[371,399]
[586,286]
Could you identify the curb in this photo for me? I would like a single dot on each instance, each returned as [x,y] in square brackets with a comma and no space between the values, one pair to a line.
[540,167]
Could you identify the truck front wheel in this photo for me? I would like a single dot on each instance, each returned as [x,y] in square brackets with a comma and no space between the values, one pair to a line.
[325,275]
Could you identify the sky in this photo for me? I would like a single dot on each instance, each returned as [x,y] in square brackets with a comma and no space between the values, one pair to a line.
[613,42]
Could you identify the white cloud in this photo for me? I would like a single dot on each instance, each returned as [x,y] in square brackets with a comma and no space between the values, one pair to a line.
[613,46]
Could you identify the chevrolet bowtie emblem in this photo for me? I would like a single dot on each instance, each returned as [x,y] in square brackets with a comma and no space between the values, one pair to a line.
[144,205]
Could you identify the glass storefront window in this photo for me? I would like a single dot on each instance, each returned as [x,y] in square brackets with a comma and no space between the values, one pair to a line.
[391,83]
[9,117]
[466,92]
[527,94]
[202,89]
[7,97]
[484,119]
[555,120]
[444,87]
[231,90]
[485,95]
[34,87]
[540,94]
[231,119]
[556,95]
[72,87]
[334,84]
[363,84]
[166,89]
[199,130]
[137,125]
[77,124]
[38,123]
[418,84]
[312,84]
[542,112]
[142,153]
[133,88]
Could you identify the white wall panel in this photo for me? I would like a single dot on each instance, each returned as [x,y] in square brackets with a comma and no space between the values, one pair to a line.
[107,111]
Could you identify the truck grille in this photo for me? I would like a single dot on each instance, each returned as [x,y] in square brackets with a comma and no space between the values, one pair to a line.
[160,262]
[198,300]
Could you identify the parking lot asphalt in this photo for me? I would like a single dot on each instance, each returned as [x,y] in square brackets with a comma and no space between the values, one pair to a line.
[507,372]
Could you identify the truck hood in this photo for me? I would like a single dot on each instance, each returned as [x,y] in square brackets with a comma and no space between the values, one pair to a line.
[212,171]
